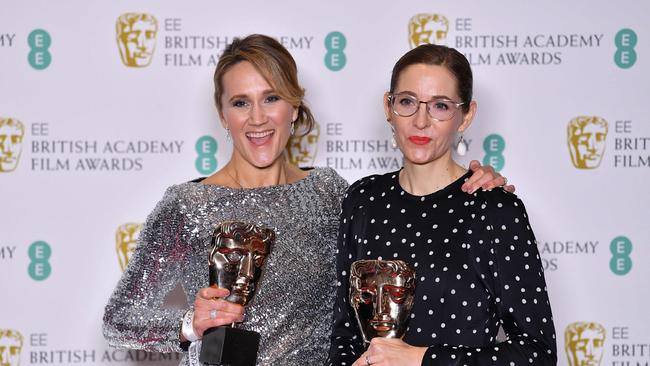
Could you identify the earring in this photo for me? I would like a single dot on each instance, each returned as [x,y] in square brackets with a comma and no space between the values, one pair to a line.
[461,147]
[292,130]
[393,142]
[228,137]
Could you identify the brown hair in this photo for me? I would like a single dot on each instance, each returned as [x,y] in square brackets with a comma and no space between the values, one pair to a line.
[277,67]
[451,59]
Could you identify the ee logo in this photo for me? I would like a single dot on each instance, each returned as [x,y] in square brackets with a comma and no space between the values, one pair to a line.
[206,148]
[39,42]
[335,43]
[621,263]
[625,56]
[494,145]
[39,267]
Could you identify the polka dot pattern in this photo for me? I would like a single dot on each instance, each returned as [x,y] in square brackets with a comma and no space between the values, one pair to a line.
[477,267]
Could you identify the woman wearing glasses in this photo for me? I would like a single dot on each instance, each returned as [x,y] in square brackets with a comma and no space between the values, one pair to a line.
[475,256]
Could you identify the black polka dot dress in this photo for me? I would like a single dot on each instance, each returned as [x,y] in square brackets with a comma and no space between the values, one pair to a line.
[477,268]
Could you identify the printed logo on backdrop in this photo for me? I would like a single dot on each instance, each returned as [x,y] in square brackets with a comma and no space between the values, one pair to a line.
[136,38]
[510,48]
[7,40]
[302,150]
[494,145]
[586,136]
[39,56]
[428,28]
[39,268]
[141,36]
[11,345]
[584,343]
[206,160]
[48,151]
[587,141]
[621,262]
[625,41]
[335,43]
[126,237]
[12,133]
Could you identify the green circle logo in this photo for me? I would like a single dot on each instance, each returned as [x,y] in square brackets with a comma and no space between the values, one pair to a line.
[39,42]
[621,248]
[335,58]
[206,161]
[494,145]
[39,267]
[625,41]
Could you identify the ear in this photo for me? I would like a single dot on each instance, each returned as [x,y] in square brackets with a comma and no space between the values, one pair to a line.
[468,117]
[294,114]
[387,108]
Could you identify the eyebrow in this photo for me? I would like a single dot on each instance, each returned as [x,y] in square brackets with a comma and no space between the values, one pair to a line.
[432,97]
[244,96]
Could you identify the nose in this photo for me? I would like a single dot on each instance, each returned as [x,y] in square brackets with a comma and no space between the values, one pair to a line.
[382,306]
[421,117]
[140,40]
[247,267]
[258,116]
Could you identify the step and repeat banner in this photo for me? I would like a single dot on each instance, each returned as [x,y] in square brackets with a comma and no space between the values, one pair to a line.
[105,104]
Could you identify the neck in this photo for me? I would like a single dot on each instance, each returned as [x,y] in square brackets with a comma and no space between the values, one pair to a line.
[245,175]
[424,179]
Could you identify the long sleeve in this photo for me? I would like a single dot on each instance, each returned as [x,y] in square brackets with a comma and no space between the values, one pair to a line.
[346,344]
[135,317]
[517,285]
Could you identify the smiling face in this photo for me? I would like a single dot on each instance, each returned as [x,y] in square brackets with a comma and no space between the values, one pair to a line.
[258,118]
[421,138]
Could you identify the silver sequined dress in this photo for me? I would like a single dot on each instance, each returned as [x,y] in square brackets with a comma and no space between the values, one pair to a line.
[292,306]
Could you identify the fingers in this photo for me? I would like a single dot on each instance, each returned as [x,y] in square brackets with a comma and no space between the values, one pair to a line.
[478,172]
[211,310]
[509,188]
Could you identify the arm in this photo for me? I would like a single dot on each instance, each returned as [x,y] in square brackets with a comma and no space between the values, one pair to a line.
[134,316]
[519,290]
[346,344]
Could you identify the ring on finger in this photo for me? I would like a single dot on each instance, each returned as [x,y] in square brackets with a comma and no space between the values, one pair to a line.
[213,314]
[368,363]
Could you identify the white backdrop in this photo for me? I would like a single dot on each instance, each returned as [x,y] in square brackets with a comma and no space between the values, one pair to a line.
[101,140]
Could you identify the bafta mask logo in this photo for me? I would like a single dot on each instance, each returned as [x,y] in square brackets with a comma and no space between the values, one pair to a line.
[136,38]
[381,295]
[584,343]
[586,137]
[427,28]
[11,343]
[126,237]
[12,132]
[302,150]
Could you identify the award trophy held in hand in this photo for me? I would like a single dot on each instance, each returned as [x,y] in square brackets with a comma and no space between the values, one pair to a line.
[235,263]
[382,294]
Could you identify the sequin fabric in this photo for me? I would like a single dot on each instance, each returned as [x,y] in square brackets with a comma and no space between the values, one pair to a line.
[292,306]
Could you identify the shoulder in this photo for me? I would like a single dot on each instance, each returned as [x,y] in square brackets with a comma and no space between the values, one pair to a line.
[328,178]
[502,206]
[368,187]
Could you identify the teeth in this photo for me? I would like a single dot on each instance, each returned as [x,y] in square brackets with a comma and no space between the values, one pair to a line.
[258,135]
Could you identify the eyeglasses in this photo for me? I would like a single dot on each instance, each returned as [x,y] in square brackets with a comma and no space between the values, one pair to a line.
[406,105]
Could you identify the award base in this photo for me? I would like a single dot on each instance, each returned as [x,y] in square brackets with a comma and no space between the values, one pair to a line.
[226,346]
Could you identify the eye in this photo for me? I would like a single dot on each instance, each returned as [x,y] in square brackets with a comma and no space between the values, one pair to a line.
[366,297]
[440,105]
[271,99]
[239,103]
[398,294]
[405,101]
[234,257]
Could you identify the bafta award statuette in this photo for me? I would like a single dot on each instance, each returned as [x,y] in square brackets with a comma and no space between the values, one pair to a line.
[235,262]
[382,294]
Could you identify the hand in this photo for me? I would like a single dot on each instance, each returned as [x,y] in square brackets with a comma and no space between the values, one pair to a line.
[486,178]
[389,352]
[209,299]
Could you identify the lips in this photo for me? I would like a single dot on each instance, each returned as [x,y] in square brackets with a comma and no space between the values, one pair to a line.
[419,140]
[259,138]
